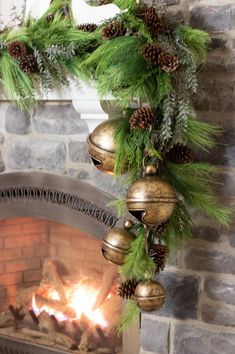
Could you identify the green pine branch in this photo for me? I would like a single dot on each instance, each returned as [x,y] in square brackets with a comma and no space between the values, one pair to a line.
[201,134]
[137,264]
[131,313]
[196,183]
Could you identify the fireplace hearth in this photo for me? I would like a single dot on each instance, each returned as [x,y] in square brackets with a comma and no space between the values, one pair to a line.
[57,293]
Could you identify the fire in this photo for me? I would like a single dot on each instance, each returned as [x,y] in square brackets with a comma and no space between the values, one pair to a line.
[81,297]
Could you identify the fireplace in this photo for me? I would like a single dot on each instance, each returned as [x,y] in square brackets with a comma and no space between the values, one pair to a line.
[57,293]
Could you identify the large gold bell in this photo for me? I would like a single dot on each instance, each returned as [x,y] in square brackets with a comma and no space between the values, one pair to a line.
[150,199]
[101,146]
[150,295]
[116,245]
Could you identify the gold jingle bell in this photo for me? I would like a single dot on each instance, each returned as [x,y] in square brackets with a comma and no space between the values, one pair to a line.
[101,146]
[150,199]
[116,245]
[150,295]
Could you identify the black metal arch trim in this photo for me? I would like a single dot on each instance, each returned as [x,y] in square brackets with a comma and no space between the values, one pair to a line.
[57,198]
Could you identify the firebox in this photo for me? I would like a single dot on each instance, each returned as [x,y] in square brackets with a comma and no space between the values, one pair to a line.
[57,293]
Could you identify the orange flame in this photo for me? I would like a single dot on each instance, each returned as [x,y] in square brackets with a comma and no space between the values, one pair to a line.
[81,297]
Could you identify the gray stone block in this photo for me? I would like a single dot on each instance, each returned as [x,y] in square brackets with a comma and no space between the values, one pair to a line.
[114,186]
[154,336]
[80,173]
[172,2]
[181,295]
[17,121]
[218,315]
[190,339]
[212,18]
[59,119]
[231,238]
[212,261]
[2,165]
[78,152]
[2,138]
[222,99]
[29,153]
[208,233]
[220,290]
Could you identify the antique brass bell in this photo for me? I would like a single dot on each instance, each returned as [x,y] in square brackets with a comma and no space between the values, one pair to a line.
[150,295]
[150,199]
[101,146]
[116,245]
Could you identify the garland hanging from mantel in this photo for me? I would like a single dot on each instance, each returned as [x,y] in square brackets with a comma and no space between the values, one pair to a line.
[148,62]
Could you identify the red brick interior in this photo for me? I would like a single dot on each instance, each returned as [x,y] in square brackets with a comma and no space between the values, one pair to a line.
[26,242]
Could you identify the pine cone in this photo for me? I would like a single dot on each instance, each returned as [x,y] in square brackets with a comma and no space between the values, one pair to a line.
[87,27]
[153,22]
[105,2]
[152,53]
[159,254]
[169,63]
[142,118]
[50,17]
[127,288]
[28,64]
[17,49]
[180,154]
[159,230]
[161,167]
[113,30]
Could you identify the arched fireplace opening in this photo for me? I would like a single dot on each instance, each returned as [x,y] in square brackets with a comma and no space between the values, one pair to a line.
[51,267]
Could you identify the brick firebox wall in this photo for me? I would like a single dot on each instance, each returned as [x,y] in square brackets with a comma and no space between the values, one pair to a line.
[24,245]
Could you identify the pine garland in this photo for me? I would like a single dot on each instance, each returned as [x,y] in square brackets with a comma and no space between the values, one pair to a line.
[164,81]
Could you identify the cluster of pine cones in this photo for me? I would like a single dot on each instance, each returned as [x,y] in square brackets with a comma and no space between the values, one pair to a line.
[155,55]
[27,61]
[153,22]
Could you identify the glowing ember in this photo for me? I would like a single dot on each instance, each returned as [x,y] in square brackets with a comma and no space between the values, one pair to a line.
[81,297]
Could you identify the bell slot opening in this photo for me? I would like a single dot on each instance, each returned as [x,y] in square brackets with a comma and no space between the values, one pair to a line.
[138,214]
[96,162]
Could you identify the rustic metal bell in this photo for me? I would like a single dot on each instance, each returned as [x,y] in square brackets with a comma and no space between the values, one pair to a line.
[101,146]
[150,295]
[116,245]
[150,199]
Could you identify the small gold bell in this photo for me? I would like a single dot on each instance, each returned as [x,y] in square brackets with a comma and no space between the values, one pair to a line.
[116,245]
[101,146]
[150,295]
[150,199]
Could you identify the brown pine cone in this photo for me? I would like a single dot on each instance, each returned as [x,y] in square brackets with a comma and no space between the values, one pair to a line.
[159,254]
[87,27]
[113,30]
[161,167]
[169,63]
[104,2]
[159,230]
[153,22]
[142,118]
[127,288]
[28,64]
[17,49]
[50,17]
[180,153]
[152,53]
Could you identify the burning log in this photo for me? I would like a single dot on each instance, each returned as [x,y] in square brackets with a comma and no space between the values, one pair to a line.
[33,316]
[16,312]
[56,305]
[6,319]
[51,275]
[49,324]
[108,281]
